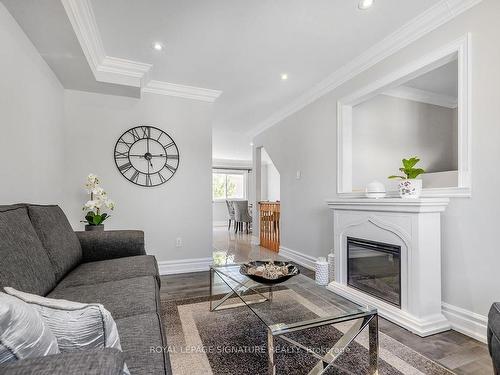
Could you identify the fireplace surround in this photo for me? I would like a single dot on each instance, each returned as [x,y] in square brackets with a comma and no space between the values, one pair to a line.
[413,226]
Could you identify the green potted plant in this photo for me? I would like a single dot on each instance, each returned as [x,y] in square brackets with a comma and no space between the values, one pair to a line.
[99,201]
[409,186]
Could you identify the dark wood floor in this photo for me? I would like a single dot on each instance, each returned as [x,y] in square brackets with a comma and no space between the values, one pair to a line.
[457,352]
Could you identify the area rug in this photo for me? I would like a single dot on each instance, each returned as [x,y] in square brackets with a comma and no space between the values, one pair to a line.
[234,342]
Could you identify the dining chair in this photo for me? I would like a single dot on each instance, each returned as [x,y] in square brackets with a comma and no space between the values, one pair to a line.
[230,211]
[241,216]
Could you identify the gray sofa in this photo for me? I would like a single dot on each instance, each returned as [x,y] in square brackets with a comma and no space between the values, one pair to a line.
[494,335]
[40,253]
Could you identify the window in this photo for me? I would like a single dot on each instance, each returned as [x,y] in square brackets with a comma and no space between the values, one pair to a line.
[228,185]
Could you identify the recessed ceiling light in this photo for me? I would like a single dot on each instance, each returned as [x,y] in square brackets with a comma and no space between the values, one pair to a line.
[157,46]
[365,4]
[251,143]
[284,76]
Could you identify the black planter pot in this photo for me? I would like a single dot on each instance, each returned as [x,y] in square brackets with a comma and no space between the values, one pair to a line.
[96,228]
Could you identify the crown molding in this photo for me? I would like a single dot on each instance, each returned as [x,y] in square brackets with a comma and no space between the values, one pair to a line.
[120,71]
[431,19]
[123,71]
[84,24]
[182,91]
[423,96]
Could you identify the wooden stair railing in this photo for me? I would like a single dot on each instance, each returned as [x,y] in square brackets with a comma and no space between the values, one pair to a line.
[270,225]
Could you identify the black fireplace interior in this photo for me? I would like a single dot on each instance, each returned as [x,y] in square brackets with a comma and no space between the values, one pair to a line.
[375,268]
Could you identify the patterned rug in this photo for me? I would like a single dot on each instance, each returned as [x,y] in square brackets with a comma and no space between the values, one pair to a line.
[234,342]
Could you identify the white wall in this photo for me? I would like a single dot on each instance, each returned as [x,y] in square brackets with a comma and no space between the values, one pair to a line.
[270,182]
[391,129]
[31,120]
[273,183]
[263,182]
[179,208]
[270,179]
[306,141]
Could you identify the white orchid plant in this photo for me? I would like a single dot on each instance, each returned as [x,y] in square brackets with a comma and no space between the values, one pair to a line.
[98,202]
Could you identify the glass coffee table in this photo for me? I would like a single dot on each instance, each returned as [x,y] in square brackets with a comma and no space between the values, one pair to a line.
[295,305]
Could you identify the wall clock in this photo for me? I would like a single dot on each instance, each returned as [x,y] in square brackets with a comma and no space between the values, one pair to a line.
[146,156]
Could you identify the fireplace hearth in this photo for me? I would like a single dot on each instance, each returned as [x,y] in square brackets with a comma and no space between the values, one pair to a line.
[375,268]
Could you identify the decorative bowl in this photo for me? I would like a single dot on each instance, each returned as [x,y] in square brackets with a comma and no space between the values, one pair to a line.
[246,269]
[375,189]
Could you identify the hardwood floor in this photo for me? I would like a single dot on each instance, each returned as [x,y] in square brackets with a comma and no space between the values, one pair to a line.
[459,353]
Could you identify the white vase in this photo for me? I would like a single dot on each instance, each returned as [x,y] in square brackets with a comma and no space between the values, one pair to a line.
[410,189]
[322,274]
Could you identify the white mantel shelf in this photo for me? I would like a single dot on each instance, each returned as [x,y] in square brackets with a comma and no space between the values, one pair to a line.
[415,226]
[390,204]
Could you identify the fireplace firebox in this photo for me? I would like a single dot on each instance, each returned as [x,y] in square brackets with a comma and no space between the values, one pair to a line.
[375,268]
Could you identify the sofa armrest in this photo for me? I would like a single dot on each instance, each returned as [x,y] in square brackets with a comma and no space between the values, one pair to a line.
[494,335]
[90,362]
[111,244]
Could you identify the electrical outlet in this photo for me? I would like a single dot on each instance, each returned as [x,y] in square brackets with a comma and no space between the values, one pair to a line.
[298,175]
[178,242]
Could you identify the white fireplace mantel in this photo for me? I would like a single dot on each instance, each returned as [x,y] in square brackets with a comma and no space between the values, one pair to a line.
[413,224]
[390,204]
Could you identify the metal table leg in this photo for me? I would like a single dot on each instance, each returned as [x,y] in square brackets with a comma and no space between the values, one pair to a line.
[326,361]
[271,353]
[373,345]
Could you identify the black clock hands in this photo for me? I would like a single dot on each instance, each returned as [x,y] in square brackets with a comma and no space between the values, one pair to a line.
[150,155]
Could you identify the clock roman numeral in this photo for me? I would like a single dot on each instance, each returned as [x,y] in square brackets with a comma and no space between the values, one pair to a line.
[135,176]
[148,180]
[125,167]
[135,134]
[168,145]
[175,157]
[162,179]
[146,131]
[121,155]
[170,168]
[122,141]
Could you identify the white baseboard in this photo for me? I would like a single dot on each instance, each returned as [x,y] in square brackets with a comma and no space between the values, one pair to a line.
[304,260]
[172,267]
[461,320]
[221,223]
[466,322]
[425,326]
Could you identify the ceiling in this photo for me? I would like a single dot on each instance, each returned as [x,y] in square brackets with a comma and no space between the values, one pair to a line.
[58,45]
[443,80]
[240,47]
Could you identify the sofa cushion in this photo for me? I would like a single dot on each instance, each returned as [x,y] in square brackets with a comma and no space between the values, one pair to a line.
[111,270]
[142,344]
[58,238]
[24,263]
[121,298]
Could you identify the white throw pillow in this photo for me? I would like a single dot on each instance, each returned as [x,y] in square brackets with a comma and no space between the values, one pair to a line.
[23,334]
[77,326]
